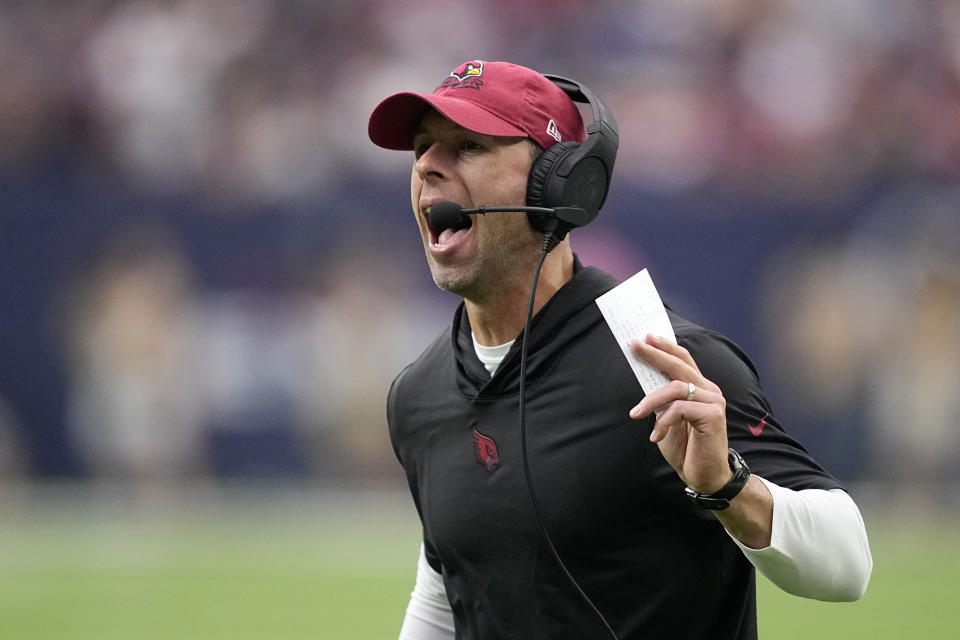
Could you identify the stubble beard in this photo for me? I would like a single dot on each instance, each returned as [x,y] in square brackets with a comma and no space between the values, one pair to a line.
[471,281]
[490,275]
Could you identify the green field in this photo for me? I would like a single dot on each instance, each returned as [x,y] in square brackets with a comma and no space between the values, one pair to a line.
[339,565]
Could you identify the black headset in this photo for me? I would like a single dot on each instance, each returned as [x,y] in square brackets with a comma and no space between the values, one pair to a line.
[575,174]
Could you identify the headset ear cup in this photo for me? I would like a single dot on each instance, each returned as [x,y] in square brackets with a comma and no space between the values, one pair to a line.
[540,173]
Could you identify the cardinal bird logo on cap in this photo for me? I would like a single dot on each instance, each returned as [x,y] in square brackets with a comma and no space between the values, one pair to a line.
[472,69]
[486,450]
[466,76]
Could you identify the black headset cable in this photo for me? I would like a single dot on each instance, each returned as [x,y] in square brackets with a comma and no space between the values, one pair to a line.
[550,240]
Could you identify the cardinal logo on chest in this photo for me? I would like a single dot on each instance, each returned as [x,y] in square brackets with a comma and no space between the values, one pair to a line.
[486,450]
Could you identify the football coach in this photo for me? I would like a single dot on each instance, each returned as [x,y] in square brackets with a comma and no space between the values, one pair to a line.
[557,499]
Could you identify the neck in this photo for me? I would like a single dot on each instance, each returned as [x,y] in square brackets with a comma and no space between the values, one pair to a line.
[500,319]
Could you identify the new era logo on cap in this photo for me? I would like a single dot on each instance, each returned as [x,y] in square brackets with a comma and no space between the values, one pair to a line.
[553,131]
[492,98]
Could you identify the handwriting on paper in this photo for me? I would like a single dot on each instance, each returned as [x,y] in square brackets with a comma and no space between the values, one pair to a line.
[632,310]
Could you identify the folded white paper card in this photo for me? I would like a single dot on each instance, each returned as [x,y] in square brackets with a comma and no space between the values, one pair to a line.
[633,309]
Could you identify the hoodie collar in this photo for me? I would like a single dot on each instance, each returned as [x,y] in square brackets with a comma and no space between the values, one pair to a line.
[553,326]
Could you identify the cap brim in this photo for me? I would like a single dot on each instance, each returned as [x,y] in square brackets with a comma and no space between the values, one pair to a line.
[393,121]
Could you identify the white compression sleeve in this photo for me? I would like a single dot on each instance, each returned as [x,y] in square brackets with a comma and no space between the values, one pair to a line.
[428,616]
[819,546]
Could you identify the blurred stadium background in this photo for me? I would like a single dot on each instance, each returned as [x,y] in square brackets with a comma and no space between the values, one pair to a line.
[209,276]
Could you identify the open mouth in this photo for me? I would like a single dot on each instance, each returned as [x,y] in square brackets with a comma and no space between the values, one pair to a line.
[444,231]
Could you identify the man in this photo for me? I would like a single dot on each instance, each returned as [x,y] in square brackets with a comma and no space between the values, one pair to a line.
[612,468]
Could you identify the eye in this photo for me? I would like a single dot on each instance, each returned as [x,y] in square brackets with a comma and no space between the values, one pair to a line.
[470,146]
[420,149]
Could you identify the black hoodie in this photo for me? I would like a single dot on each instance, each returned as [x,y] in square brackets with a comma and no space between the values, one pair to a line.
[653,563]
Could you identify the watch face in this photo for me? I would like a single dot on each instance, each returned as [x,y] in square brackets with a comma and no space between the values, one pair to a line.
[736,461]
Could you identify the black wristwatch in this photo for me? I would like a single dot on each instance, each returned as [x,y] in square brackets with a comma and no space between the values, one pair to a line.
[721,499]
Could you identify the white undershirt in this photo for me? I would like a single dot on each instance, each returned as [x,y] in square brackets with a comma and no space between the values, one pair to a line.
[491,357]
[818,549]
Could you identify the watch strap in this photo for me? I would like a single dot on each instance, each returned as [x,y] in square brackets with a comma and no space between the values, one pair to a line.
[720,499]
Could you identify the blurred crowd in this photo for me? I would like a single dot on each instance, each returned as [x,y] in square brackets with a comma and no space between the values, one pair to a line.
[207,270]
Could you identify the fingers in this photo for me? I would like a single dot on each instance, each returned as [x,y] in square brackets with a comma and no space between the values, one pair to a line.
[673,402]
[672,359]
[674,393]
[703,417]
[690,427]
[667,346]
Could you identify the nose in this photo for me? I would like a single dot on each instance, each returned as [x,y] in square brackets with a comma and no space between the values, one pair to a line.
[432,163]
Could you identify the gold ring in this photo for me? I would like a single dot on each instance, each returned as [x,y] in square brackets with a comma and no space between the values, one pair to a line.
[690,391]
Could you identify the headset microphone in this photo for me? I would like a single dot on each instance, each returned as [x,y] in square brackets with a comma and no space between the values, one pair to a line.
[450,215]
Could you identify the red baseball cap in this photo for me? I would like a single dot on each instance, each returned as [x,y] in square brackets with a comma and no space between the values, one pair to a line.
[492,98]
